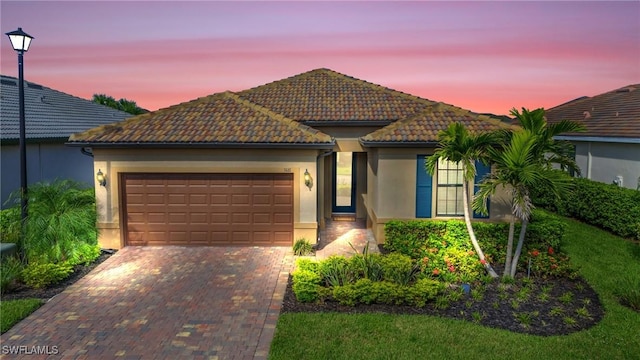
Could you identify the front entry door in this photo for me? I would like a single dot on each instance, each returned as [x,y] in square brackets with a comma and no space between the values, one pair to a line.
[344,182]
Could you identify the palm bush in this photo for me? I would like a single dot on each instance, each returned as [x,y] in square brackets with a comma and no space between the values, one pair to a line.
[62,216]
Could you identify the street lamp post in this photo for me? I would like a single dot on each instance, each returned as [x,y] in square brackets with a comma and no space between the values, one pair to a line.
[20,41]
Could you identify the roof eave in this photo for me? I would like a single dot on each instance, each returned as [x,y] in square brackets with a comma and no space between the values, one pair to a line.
[350,123]
[605,139]
[219,145]
[397,144]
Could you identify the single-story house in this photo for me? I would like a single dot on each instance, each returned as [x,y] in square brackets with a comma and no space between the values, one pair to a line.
[609,150]
[269,165]
[51,117]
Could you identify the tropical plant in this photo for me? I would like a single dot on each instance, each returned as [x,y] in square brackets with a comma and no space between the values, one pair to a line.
[123,104]
[456,144]
[62,216]
[302,247]
[518,168]
[546,148]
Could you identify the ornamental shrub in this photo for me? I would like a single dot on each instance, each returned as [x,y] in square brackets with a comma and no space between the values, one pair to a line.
[423,291]
[10,272]
[61,216]
[367,265]
[307,264]
[306,285]
[398,268]
[607,206]
[40,275]
[545,230]
[336,271]
[302,247]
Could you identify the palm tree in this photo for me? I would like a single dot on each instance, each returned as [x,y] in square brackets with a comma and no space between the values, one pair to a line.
[518,168]
[123,104]
[458,145]
[546,148]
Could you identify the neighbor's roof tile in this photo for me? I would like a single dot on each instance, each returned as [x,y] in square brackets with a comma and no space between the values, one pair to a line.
[613,114]
[326,95]
[425,126]
[219,118]
[49,114]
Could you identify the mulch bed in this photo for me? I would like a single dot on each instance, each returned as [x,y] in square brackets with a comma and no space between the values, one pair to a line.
[496,309]
[21,291]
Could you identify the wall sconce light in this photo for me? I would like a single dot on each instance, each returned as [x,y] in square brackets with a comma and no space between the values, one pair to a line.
[102,180]
[308,181]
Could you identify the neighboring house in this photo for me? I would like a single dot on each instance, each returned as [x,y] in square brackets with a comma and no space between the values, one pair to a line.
[269,165]
[50,117]
[609,150]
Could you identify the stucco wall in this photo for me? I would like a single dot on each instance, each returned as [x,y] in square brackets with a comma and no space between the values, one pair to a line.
[113,162]
[45,162]
[604,161]
[392,188]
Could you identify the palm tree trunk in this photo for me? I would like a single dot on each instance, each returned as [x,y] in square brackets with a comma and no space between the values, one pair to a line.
[507,263]
[516,256]
[472,235]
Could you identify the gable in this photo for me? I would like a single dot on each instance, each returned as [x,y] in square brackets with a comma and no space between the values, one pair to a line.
[220,119]
[324,96]
[423,128]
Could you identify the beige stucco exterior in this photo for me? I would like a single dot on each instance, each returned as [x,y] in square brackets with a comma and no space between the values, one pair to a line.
[391,175]
[385,185]
[114,162]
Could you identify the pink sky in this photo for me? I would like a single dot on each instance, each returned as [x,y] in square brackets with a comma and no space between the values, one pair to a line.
[482,56]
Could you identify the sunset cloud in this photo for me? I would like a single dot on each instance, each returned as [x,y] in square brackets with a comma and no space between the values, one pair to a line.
[486,56]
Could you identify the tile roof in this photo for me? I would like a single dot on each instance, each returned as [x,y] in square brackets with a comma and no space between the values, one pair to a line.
[613,114]
[222,118]
[323,95]
[425,126]
[49,114]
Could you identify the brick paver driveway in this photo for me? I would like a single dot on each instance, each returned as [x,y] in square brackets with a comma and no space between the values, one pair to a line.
[163,303]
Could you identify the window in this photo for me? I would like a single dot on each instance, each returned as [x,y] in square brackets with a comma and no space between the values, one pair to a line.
[449,193]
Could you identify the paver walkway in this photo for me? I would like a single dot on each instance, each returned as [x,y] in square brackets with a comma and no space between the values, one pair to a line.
[163,303]
[338,236]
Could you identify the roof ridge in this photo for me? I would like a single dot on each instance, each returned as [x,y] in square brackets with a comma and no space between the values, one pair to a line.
[376,86]
[435,107]
[279,117]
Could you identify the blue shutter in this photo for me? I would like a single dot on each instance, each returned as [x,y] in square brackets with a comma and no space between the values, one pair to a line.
[424,185]
[481,171]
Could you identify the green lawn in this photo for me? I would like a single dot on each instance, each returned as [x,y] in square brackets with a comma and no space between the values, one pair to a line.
[599,255]
[12,311]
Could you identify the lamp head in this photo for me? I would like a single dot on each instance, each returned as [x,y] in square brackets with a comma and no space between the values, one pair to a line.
[20,40]
[100,178]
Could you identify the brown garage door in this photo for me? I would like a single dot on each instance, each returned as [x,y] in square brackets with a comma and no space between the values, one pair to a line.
[208,209]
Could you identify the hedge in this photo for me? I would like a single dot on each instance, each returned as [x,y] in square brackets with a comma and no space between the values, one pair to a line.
[607,206]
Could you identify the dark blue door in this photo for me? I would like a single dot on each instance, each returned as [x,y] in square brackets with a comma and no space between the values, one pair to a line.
[481,171]
[424,186]
[344,182]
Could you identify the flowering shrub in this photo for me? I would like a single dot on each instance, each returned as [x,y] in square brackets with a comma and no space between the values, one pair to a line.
[549,263]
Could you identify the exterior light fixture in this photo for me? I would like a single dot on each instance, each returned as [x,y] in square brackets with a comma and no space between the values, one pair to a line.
[102,180]
[20,42]
[308,181]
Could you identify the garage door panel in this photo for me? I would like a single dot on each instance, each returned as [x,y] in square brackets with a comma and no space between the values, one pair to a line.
[282,199]
[197,199]
[219,199]
[208,209]
[261,218]
[282,218]
[198,218]
[220,218]
[240,199]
